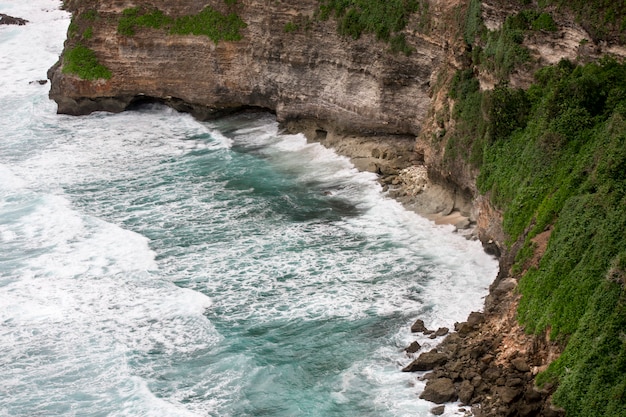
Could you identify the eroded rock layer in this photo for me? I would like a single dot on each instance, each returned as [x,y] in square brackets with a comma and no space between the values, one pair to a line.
[309,73]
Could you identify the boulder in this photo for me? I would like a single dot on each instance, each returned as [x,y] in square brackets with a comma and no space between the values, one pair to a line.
[439,391]
[437,411]
[442,331]
[508,394]
[413,347]
[466,392]
[10,20]
[520,364]
[475,318]
[426,361]
[418,327]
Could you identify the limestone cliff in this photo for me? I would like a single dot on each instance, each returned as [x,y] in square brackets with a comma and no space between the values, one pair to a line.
[391,112]
[310,73]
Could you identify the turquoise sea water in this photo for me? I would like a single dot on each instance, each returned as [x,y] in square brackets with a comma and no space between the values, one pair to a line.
[154,265]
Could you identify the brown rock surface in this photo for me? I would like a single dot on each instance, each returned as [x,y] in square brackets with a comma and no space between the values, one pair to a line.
[315,74]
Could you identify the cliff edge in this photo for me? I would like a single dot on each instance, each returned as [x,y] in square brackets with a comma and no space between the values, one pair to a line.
[487,114]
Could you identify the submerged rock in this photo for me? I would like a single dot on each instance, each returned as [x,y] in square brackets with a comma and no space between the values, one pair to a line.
[439,410]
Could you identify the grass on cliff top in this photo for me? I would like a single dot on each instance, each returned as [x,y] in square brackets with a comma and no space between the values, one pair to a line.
[501,51]
[209,22]
[603,19]
[384,18]
[83,62]
[554,156]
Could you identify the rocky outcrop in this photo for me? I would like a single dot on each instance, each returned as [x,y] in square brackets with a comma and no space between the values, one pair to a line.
[10,20]
[344,85]
[489,364]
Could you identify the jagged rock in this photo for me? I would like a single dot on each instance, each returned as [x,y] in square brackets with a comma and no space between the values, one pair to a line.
[439,391]
[491,374]
[491,248]
[413,347]
[10,20]
[463,328]
[475,318]
[426,361]
[355,86]
[418,326]
[508,394]
[520,364]
[514,382]
[463,224]
[442,331]
[437,411]
[505,286]
[466,392]
[476,381]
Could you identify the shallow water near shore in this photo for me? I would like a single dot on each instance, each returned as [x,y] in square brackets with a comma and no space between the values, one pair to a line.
[154,265]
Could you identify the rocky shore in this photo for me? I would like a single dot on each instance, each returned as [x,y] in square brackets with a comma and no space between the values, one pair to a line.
[487,364]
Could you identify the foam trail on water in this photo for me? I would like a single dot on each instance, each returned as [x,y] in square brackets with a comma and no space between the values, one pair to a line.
[155,265]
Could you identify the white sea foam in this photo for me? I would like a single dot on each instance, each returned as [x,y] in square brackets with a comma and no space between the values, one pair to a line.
[96,225]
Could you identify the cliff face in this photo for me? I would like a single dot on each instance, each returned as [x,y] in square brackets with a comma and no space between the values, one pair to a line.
[309,73]
[388,111]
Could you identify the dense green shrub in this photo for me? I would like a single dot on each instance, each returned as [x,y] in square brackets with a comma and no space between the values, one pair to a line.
[384,18]
[209,22]
[501,51]
[83,62]
[603,19]
[555,156]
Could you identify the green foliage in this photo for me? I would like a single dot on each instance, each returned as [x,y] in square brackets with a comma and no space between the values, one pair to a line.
[533,20]
[83,62]
[467,140]
[133,17]
[501,51]
[91,14]
[398,44]
[507,112]
[290,27]
[72,29]
[602,19]
[209,22]
[473,23]
[384,18]
[555,156]
[88,33]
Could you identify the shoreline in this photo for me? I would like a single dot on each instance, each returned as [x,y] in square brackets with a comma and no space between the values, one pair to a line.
[487,363]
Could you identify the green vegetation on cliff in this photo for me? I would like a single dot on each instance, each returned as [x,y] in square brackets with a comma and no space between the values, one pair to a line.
[553,158]
[83,62]
[384,18]
[500,51]
[604,20]
[209,22]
